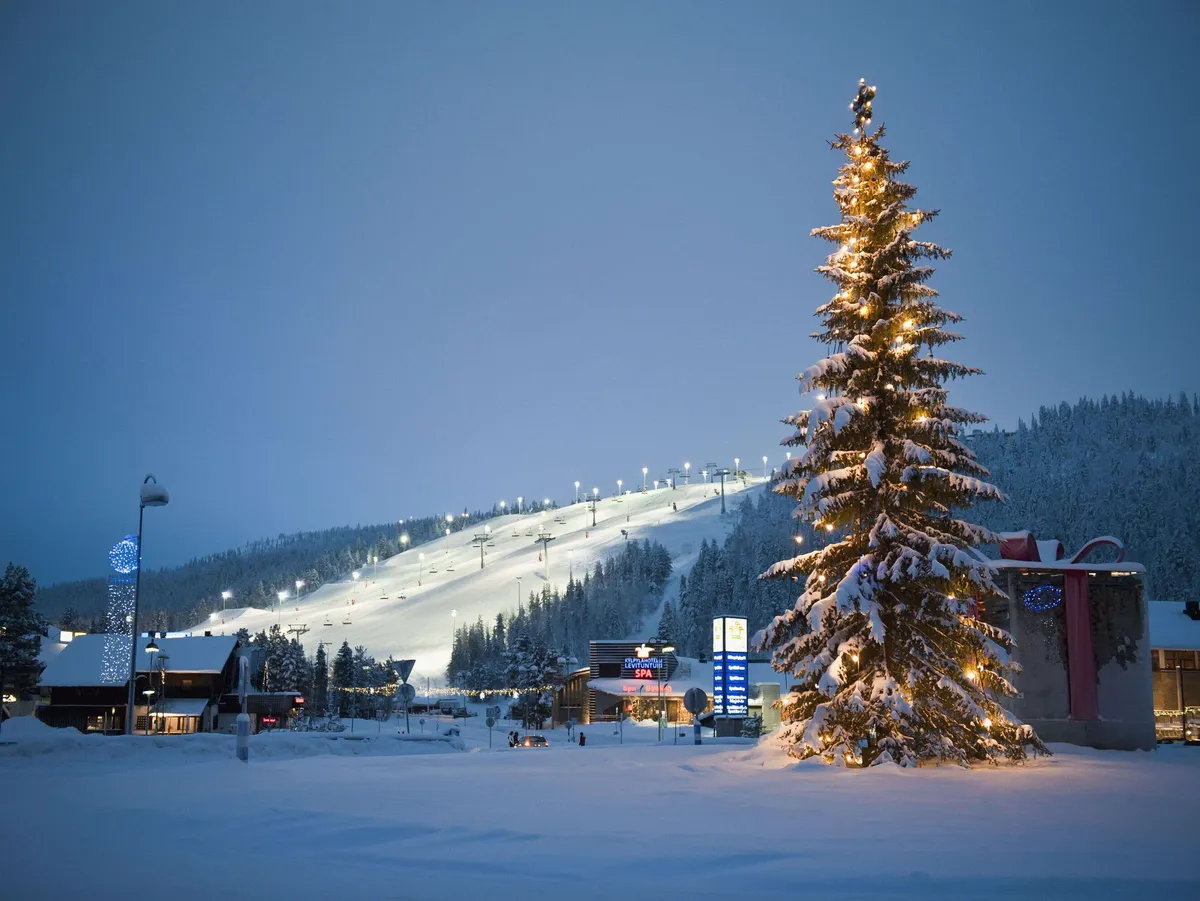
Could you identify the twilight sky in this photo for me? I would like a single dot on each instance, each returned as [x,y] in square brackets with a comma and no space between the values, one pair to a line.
[324,263]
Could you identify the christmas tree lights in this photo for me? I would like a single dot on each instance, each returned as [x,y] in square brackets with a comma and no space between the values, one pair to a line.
[891,662]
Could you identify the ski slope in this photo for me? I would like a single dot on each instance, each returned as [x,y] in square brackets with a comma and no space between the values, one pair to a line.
[408,605]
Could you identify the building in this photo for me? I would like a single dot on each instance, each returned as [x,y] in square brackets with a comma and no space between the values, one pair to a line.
[633,679]
[179,685]
[1175,668]
[1082,640]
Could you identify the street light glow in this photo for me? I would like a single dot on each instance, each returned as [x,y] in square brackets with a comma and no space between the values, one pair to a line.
[226,595]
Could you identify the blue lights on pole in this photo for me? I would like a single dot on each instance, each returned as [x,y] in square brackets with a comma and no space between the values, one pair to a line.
[124,555]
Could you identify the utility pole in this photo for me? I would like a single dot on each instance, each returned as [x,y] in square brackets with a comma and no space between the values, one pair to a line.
[545,538]
[481,539]
[297,629]
[722,473]
[673,472]
[594,501]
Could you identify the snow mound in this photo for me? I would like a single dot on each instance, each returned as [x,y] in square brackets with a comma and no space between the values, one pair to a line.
[23,728]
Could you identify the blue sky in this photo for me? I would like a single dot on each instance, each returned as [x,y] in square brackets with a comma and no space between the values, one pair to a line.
[314,264]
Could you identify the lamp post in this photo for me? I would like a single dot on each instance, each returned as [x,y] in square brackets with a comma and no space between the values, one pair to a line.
[662,674]
[279,606]
[619,484]
[737,465]
[565,661]
[764,466]
[421,568]
[404,542]
[299,585]
[520,505]
[153,495]
[453,628]
[225,596]
[645,470]
[577,491]
[518,592]
[687,473]
[151,650]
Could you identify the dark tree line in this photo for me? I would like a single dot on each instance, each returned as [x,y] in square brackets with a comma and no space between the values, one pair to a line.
[520,651]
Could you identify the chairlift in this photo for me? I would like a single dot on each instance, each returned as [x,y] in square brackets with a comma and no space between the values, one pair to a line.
[346,621]
[432,568]
[401,597]
[450,567]
[491,544]
[383,597]
[516,534]
[327,622]
[529,532]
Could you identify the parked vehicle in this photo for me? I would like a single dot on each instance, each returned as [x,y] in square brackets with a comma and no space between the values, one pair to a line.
[534,741]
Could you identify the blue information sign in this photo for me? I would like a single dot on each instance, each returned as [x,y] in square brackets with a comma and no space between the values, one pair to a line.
[730,667]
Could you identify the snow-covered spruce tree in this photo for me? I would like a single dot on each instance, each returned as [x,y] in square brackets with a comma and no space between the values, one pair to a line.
[891,663]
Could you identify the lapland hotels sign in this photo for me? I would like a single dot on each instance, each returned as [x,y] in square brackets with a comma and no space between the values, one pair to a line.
[730,684]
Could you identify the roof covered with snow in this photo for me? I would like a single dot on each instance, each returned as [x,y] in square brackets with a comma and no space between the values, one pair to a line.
[1172,629]
[691,673]
[81,661]
[179,707]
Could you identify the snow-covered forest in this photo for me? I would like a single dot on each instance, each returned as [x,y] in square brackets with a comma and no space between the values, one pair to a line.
[521,649]
[1123,466]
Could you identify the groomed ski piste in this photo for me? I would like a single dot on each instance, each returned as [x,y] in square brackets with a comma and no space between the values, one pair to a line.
[407,606]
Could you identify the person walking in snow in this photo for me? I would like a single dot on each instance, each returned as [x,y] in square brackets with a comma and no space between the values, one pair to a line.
[582,739]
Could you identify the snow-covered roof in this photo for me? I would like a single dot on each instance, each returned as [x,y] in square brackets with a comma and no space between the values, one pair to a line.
[81,661]
[179,707]
[1124,568]
[1171,629]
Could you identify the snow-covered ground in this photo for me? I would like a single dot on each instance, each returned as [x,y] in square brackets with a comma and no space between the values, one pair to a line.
[392,614]
[176,818]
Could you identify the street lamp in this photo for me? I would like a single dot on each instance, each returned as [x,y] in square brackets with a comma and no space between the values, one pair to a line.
[619,484]
[279,607]
[645,469]
[404,542]
[225,596]
[421,570]
[518,592]
[737,465]
[502,505]
[299,585]
[687,473]
[789,456]
[453,628]
[662,673]
[577,491]
[764,466]
[151,650]
[152,495]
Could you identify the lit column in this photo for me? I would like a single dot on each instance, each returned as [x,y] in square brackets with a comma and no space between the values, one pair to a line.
[764,466]
[619,484]
[279,605]
[645,470]
[421,567]
[520,504]
[687,473]
[577,491]
[225,596]
[299,585]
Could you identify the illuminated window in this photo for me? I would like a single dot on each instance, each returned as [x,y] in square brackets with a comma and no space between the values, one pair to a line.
[1179,660]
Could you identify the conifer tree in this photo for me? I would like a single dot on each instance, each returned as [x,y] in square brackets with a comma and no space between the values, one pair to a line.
[890,660]
[20,632]
[320,687]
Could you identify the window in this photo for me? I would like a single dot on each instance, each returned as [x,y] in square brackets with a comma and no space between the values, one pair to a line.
[1179,659]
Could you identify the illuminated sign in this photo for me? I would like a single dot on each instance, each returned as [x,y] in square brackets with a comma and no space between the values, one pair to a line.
[637,689]
[644,667]
[299,700]
[730,666]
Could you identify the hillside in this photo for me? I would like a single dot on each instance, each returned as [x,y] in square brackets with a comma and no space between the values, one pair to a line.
[411,603]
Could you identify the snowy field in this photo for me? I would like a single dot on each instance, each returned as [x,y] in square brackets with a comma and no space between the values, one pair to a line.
[403,606]
[179,818]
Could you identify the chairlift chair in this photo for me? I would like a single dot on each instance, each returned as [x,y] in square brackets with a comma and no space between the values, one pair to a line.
[450,567]
[516,534]
[346,621]
[327,621]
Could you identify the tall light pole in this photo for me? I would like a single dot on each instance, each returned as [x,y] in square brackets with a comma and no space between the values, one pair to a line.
[502,506]
[151,650]
[404,542]
[764,466]
[225,596]
[737,466]
[453,629]
[577,491]
[299,585]
[153,495]
[520,504]
[518,592]
[687,473]
[662,675]
[595,500]
[421,568]
[645,470]
[619,484]
[279,605]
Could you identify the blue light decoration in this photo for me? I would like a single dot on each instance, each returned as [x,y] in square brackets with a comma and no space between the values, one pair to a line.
[1041,598]
[124,555]
[114,666]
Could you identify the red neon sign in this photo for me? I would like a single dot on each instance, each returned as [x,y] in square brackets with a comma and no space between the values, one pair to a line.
[635,689]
